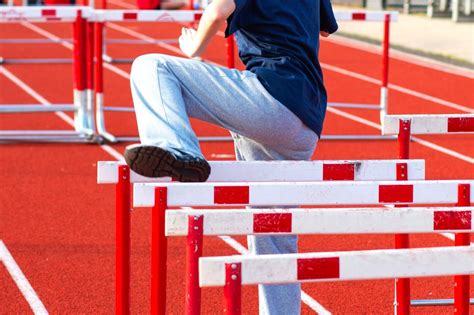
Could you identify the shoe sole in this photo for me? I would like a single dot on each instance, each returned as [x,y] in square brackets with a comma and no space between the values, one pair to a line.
[153,161]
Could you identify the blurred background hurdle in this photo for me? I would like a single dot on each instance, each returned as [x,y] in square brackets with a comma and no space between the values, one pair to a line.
[83,121]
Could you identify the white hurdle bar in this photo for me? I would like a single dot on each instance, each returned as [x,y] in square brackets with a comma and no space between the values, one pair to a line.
[303,193]
[429,124]
[234,271]
[337,266]
[321,221]
[277,171]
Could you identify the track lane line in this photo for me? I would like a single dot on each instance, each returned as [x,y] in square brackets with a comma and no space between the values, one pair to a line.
[425,143]
[29,90]
[398,88]
[20,280]
[401,56]
[422,142]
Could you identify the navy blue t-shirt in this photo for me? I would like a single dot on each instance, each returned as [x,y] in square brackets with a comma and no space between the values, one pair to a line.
[278,40]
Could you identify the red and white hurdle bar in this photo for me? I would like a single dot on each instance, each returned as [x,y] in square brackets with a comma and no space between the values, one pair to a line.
[303,193]
[234,271]
[429,124]
[165,195]
[119,174]
[278,171]
[404,126]
[321,221]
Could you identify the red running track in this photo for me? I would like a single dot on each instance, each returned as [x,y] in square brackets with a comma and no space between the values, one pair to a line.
[59,223]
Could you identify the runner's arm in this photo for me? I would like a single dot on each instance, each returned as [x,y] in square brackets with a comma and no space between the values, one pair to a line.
[211,22]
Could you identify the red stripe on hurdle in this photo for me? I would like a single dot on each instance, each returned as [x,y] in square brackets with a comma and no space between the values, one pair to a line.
[197,16]
[452,220]
[231,195]
[359,16]
[272,222]
[460,124]
[48,12]
[338,172]
[130,16]
[396,193]
[318,268]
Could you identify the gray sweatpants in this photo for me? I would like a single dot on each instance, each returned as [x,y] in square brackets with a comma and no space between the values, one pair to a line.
[168,90]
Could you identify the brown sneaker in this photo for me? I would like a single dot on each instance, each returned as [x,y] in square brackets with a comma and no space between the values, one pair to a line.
[152,161]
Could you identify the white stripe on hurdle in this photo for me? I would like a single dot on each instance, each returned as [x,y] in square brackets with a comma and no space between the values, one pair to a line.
[147,15]
[370,16]
[337,266]
[275,171]
[429,124]
[303,193]
[58,13]
[323,221]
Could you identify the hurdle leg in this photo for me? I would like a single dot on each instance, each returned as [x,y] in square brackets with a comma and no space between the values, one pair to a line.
[79,72]
[402,286]
[461,283]
[90,76]
[193,253]
[159,252]
[233,289]
[230,52]
[122,239]
[385,67]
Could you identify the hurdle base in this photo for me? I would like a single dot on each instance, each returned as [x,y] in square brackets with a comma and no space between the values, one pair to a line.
[436,302]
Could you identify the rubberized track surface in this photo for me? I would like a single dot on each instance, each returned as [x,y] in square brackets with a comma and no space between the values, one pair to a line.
[59,224]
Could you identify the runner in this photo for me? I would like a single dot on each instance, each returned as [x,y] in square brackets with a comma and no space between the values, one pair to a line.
[274,109]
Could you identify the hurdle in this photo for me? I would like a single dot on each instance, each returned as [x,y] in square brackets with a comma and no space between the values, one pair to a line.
[191,16]
[119,174]
[234,271]
[404,126]
[83,113]
[161,196]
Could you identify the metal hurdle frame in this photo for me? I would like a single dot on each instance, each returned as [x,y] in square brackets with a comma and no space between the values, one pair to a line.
[119,174]
[404,126]
[84,129]
[161,196]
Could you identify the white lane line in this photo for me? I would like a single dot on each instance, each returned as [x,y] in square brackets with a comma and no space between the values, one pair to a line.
[25,87]
[402,56]
[20,280]
[45,102]
[47,34]
[398,88]
[422,142]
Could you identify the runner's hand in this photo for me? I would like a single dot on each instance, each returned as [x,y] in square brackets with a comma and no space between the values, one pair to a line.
[187,42]
[324,34]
